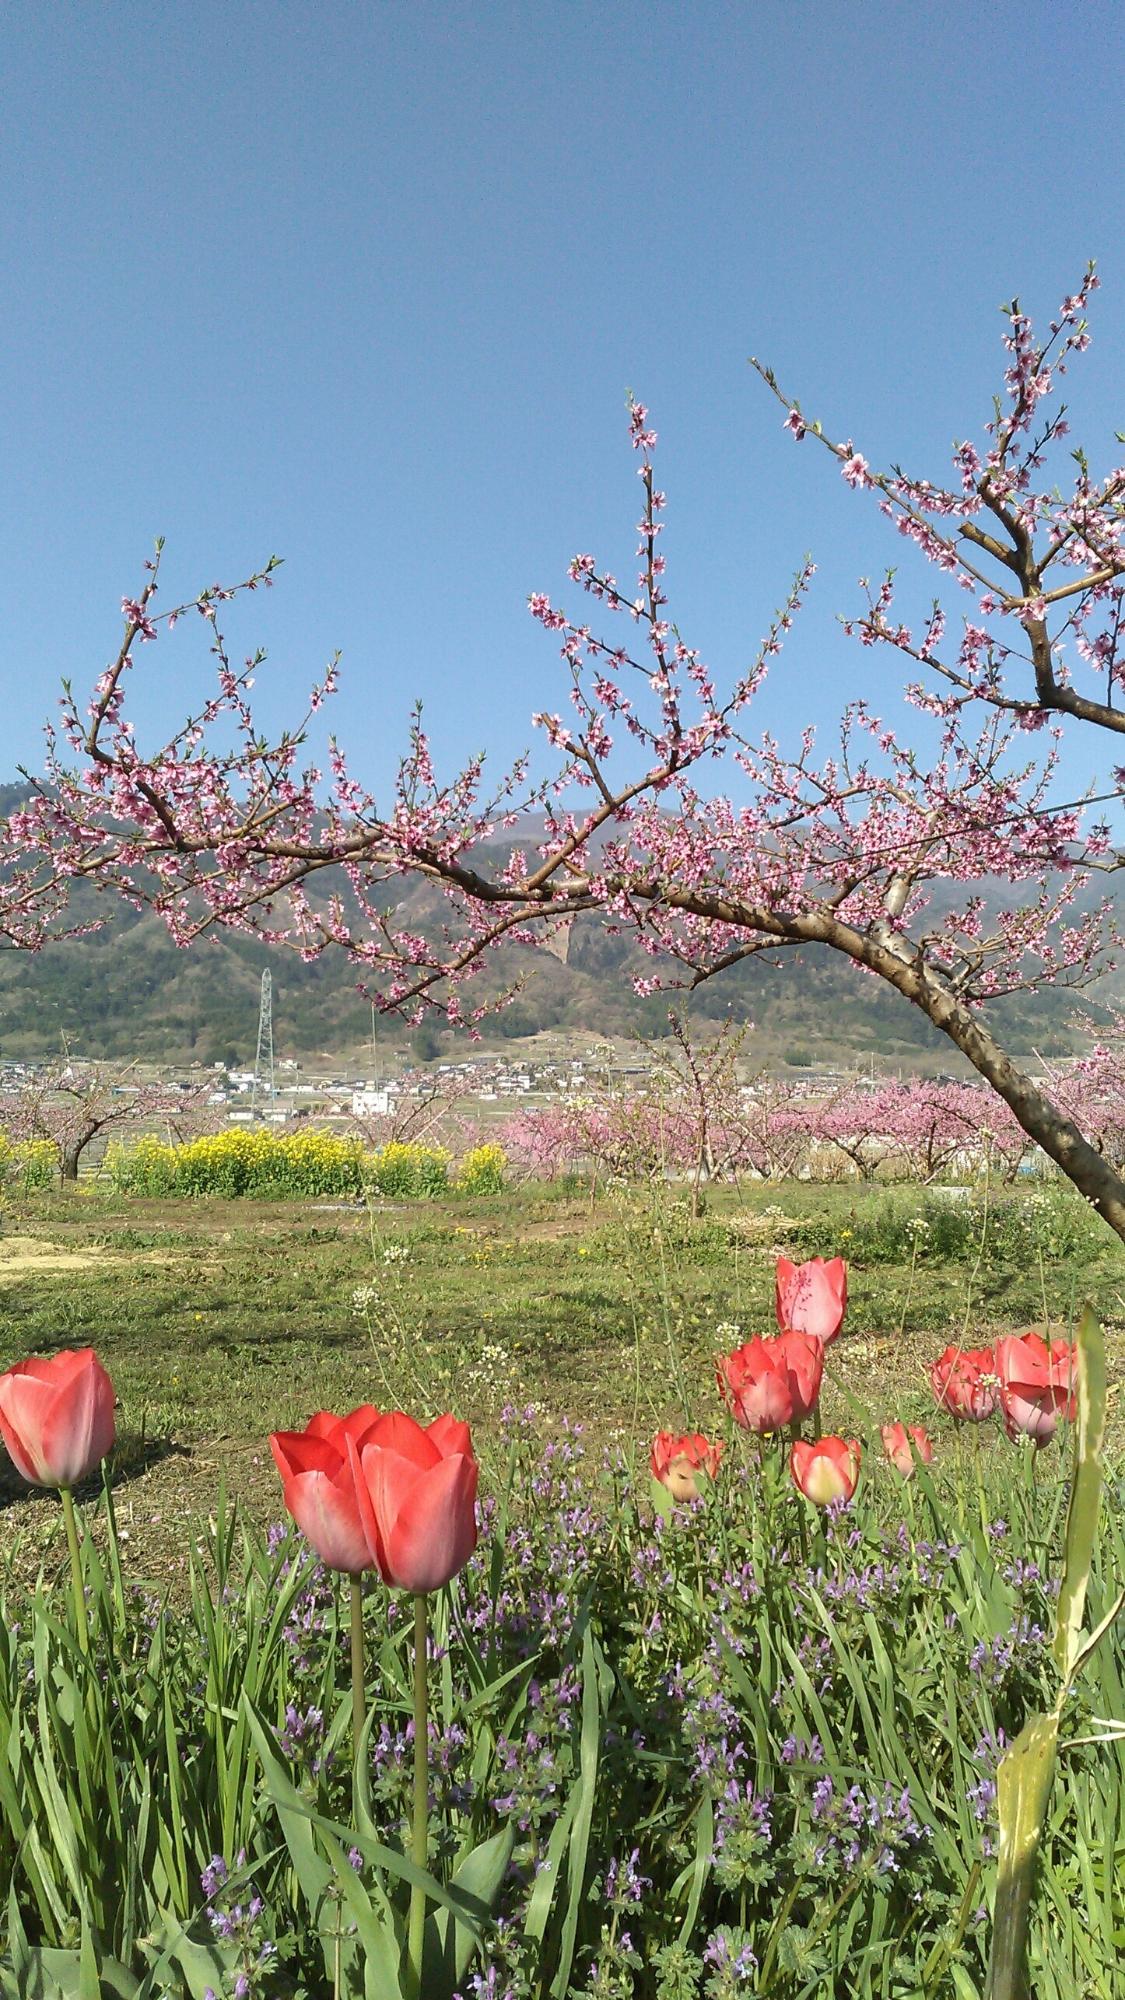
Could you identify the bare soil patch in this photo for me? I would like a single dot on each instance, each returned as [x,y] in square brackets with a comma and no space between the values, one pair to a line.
[32,1256]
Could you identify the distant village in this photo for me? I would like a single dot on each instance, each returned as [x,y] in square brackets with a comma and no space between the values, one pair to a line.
[291,1091]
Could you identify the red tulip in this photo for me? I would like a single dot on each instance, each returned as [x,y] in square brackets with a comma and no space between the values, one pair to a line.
[770,1383]
[825,1471]
[1036,1384]
[964,1383]
[896,1443]
[56,1417]
[675,1461]
[318,1484]
[811,1298]
[417,1495]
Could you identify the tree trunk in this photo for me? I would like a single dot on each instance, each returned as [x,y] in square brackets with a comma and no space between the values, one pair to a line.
[1042,1120]
[898,961]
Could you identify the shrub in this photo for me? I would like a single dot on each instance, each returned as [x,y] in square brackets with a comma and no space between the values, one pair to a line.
[27,1164]
[409,1169]
[242,1163]
[482,1170]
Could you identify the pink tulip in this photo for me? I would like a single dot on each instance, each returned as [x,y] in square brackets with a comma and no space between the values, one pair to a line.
[1036,1384]
[964,1383]
[676,1460]
[811,1298]
[896,1444]
[827,1470]
[770,1383]
[417,1496]
[56,1417]
[318,1485]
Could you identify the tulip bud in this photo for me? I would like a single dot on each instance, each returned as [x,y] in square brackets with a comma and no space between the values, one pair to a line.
[897,1442]
[676,1460]
[827,1470]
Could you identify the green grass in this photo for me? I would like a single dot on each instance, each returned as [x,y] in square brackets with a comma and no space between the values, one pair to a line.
[225,1319]
[222,1320]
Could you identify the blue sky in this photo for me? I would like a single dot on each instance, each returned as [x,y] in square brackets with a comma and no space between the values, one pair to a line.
[365,285]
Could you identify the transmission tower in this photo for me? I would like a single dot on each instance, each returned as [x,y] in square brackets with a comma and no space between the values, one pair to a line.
[263,1062]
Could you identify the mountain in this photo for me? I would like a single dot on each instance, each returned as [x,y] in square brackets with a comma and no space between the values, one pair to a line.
[126,990]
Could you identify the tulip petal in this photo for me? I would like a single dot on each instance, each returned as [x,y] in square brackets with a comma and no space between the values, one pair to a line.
[356,1423]
[435,1529]
[451,1435]
[388,1479]
[327,1513]
[59,1369]
[304,1451]
[401,1434]
[23,1407]
[368,1522]
[80,1427]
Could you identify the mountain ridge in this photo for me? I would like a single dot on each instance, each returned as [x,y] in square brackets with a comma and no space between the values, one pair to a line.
[126,990]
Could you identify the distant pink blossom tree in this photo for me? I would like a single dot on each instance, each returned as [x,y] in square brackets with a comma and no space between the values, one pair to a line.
[919,1129]
[773,1129]
[1092,1086]
[696,1084]
[611,1133]
[798,847]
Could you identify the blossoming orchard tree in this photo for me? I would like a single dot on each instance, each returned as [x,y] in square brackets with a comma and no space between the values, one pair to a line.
[920,1129]
[793,847]
[71,1103]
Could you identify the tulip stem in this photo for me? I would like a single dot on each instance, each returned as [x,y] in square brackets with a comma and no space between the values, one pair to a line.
[359,1699]
[81,1617]
[419,1846]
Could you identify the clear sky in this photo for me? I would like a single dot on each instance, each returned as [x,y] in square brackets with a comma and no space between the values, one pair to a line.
[365,285]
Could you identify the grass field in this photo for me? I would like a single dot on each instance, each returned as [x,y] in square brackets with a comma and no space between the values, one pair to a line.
[220,1321]
[685,1754]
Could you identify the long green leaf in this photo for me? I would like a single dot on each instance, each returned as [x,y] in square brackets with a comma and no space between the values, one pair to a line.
[450,1941]
[589,1747]
[1085,1495]
[326,1878]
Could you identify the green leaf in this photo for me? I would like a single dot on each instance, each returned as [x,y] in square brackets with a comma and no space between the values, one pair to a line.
[450,1940]
[589,1747]
[1085,1496]
[49,1974]
[550,1873]
[327,1880]
[698,1868]
[1023,1784]
[200,1965]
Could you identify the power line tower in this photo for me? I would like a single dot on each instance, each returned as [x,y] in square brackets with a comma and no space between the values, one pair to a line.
[264,1082]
